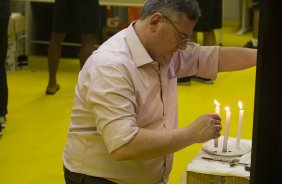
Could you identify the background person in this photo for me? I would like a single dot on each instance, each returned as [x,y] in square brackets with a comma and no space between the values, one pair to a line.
[85,16]
[253,43]
[5,13]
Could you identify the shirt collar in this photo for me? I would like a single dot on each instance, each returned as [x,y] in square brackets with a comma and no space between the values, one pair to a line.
[139,54]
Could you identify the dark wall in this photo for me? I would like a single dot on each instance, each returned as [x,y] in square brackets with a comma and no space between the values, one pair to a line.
[267,131]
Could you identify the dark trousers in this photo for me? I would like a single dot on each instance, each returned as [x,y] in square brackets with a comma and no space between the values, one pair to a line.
[4,21]
[77,178]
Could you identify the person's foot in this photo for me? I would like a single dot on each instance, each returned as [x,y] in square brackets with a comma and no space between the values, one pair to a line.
[2,124]
[250,45]
[3,121]
[52,90]
[184,81]
[202,80]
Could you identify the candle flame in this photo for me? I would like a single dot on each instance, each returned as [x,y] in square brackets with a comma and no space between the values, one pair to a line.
[216,102]
[240,104]
[227,108]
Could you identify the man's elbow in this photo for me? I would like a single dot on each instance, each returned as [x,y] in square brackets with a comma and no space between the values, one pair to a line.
[120,154]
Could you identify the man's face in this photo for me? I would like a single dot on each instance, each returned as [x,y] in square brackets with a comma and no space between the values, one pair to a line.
[175,34]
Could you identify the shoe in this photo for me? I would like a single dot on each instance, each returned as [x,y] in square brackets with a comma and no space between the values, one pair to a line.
[2,125]
[202,80]
[2,121]
[52,92]
[186,81]
[250,45]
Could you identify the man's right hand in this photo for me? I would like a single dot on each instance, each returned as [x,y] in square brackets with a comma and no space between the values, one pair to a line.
[206,127]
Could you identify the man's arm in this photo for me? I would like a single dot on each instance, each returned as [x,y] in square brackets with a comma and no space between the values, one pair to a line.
[153,143]
[235,58]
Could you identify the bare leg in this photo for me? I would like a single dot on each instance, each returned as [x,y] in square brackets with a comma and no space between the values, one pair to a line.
[255,26]
[209,38]
[54,54]
[87,47]
[253,43]
[255,21]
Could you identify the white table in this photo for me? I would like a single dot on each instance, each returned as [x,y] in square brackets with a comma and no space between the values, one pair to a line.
[202,170]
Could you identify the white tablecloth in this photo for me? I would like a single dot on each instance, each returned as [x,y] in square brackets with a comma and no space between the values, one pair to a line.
[204,166]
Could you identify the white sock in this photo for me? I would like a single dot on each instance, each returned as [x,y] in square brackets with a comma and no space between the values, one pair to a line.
[255,42]
[2,121]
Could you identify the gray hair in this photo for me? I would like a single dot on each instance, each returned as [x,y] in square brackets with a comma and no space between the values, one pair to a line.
[173,7]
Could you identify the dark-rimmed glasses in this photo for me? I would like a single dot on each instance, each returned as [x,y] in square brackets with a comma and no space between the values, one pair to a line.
[183,38]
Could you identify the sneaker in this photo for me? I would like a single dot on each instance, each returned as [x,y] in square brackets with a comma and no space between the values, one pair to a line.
[186,81]
[2,124]
[2,121]
[202,80]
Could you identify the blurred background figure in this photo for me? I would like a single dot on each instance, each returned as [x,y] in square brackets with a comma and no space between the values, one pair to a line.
[85,17]
[4,21]
[210,20]
[253,43]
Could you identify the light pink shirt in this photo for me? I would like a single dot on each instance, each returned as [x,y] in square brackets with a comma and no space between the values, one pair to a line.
[121,89]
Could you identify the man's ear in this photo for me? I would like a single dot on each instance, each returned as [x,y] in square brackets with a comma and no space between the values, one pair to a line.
[155,19]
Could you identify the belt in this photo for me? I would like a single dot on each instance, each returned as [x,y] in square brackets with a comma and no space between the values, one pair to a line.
[85,179]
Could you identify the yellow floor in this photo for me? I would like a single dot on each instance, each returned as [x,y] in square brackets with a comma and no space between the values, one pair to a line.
[32,145]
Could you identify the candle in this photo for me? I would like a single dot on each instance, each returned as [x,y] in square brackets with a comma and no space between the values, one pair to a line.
[226,130]
[217,110]
[240,121]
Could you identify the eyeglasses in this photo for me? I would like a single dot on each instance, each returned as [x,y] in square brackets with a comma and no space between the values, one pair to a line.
[182,37]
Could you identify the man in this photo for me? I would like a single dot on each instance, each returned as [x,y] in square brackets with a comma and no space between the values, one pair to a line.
[84,15]
[4,21]
[123,125]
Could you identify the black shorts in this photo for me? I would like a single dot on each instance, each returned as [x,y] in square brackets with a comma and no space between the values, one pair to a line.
[83,15]
[211,15]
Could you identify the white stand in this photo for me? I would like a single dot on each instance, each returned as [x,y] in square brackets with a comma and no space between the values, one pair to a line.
[231,147]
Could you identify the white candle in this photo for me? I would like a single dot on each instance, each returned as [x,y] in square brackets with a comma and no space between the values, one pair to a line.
[217,110]
[240,121]
[226,130]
